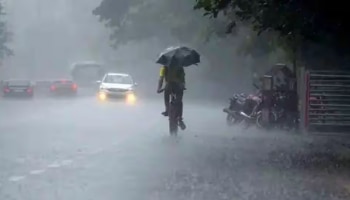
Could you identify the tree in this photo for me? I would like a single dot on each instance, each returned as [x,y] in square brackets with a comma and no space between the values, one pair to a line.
[216,39]
[5,36]
[298,23]
[138,20]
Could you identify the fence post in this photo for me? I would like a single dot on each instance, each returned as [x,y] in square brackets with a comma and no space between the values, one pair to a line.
[302,100]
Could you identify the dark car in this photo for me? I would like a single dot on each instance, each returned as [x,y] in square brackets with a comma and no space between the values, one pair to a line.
[64,87]
[18,88]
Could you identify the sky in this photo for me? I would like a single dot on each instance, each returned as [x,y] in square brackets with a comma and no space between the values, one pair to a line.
[49,35]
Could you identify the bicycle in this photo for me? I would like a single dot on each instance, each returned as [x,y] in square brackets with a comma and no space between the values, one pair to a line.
[173,113]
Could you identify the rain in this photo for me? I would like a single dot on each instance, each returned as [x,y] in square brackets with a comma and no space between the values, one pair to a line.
[82,111]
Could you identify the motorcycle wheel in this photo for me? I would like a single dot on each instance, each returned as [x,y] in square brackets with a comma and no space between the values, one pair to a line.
[246,123]
[230,120]
[259,121]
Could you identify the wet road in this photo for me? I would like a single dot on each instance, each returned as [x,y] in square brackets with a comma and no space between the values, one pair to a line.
[81,149]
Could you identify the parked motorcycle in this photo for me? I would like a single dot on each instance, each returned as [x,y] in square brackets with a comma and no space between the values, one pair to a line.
[236,104]
[251,111]
[283,119]
[247,110]
[279,117]
[253,114]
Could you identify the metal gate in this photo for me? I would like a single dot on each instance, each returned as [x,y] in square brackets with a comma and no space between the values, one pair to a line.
[327,101]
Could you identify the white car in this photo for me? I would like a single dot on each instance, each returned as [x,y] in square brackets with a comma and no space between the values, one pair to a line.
[117,85]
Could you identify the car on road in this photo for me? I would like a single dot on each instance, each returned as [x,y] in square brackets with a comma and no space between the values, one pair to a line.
[85,73]
[63,88]
[18,88]
[117,85]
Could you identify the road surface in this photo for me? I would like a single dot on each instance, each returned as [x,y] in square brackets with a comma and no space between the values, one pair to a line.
[82,149]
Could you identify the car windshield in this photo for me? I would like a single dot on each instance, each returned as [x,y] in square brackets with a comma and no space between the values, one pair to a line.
[121,79]
[18,83]
[63,82]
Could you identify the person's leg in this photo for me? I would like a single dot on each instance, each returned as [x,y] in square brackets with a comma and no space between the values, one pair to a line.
[179,94]
[166,102]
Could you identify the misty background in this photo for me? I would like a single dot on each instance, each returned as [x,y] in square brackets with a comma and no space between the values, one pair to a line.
[48,36]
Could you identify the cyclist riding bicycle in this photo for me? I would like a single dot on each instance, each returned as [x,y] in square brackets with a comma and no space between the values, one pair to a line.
[174,82]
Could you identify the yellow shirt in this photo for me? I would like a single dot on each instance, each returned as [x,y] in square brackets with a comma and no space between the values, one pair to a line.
[162,71]
[172,75]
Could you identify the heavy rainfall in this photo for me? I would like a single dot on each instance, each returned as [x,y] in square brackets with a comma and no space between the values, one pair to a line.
[92,93]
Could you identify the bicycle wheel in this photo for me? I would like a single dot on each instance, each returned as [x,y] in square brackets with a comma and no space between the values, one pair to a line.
[173,119]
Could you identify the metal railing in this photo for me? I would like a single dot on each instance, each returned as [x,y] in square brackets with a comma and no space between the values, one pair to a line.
[327,99]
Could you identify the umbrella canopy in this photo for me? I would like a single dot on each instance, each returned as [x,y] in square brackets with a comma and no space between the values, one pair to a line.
[179,57]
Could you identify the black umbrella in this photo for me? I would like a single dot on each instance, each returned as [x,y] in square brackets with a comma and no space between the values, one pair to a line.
[179,57]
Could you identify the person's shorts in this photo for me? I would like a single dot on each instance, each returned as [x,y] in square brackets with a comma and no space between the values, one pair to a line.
[175,87]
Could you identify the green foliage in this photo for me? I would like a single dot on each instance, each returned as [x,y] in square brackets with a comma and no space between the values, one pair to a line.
[264,15]
[280,24]
[297,22]
[112,12]
[142,19]
[134,19]
[5,37]
[138,20]
[265,44]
